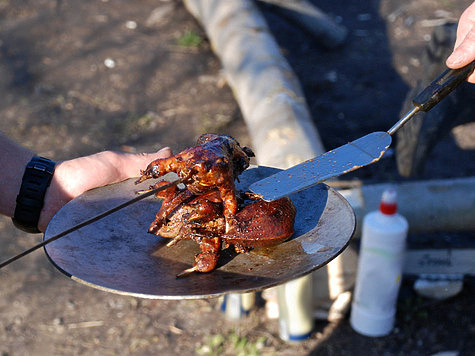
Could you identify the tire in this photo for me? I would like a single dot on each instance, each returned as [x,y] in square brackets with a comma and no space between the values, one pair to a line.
[419,135]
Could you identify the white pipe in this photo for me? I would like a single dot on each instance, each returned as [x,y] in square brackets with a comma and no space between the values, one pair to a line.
[429,206]
[264,85]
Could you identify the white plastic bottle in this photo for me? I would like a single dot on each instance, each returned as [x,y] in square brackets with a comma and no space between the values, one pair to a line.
[295,309]
[380,265]
[237,306]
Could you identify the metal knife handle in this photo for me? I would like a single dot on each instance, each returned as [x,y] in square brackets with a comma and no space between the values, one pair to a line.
[442,86]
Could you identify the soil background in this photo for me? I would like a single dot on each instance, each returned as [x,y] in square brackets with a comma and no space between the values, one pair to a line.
[77,77]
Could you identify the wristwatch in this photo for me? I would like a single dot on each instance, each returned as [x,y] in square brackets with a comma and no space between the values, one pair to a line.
[29,202]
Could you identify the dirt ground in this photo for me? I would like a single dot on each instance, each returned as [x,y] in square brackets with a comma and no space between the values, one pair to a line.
[77,77]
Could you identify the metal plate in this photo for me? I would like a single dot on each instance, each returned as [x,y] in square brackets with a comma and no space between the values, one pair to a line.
[116,253]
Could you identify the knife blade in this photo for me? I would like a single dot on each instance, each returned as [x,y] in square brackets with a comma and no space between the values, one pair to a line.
[356,154]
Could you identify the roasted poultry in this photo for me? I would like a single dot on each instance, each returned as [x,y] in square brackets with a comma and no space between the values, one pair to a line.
[208,210]
[214,163]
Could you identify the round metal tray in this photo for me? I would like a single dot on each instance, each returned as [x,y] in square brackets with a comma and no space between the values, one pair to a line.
[116,253]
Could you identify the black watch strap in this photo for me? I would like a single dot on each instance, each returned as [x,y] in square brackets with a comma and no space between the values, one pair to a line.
[29,202]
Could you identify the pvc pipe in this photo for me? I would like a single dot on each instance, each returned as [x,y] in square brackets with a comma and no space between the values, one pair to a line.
[433,205]
[267,90]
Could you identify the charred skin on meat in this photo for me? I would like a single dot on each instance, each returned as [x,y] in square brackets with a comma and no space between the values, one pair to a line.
[207,209]
[213,164]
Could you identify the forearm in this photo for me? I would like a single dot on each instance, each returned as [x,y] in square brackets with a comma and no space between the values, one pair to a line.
[13,160]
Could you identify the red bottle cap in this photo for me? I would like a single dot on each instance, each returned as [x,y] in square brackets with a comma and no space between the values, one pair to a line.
[388,205]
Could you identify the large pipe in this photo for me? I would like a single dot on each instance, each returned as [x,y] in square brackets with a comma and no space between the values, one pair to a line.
[445,205]
[264,85]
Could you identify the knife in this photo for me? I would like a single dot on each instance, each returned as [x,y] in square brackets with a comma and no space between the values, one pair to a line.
[359,153]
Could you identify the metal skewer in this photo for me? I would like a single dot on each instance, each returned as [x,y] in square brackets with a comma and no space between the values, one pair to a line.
[91,220]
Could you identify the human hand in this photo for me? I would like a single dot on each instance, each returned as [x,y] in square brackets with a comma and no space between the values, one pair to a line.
[74,177]
[464,49]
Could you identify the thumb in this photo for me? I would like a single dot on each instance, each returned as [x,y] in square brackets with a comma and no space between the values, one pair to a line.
[464,49]
[132,163]
[464,53]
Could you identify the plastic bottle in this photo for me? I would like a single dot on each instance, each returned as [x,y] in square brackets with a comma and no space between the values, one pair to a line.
[237,306]
[380,266]
[295,309]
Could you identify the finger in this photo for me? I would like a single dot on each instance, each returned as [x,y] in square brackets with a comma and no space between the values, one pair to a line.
[471,79]
[464,53]
[132,164]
